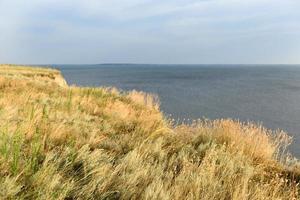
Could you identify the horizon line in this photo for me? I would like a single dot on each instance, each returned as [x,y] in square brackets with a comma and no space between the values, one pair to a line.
[125,63]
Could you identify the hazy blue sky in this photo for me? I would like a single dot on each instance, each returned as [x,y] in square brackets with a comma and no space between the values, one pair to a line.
[149,31]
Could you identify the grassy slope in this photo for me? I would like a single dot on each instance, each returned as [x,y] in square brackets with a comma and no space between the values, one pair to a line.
[61,142]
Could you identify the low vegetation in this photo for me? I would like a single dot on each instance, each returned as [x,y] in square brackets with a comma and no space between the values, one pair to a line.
[66,142]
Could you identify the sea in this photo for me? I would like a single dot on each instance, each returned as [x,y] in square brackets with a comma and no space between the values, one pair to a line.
[265,94]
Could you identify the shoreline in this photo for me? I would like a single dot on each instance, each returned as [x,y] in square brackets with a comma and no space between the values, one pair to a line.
[84,143]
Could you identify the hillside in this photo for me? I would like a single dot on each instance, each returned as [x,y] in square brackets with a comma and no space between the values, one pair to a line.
[66,142]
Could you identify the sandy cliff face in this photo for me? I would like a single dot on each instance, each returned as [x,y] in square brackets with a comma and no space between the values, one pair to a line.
[59,79]
[36,74]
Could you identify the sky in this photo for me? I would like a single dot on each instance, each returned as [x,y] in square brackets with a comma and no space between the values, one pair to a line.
[150,31]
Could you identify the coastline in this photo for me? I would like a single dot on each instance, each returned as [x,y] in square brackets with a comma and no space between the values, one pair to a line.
[88,143]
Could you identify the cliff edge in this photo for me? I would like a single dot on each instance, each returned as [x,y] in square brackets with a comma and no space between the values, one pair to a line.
[67,142]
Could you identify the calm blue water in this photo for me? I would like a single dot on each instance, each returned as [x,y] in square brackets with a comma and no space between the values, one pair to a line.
[266,94]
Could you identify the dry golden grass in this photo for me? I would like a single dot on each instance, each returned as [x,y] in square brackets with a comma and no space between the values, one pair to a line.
[61,142]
